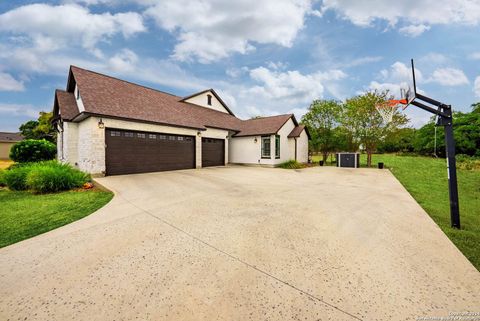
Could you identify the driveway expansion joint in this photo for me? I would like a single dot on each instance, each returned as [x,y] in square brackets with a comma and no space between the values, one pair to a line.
[244,262]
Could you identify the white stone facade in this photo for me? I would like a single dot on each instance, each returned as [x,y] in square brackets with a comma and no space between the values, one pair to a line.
[83,144]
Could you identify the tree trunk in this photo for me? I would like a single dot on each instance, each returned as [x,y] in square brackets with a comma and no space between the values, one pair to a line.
[369,158]
[325,156]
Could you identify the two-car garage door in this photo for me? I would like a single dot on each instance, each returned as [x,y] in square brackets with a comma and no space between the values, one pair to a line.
[129,152]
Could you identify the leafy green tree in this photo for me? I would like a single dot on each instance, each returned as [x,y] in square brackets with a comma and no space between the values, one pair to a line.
[362,119]
[321,120]
[27,129]
[398,140]
[39,129]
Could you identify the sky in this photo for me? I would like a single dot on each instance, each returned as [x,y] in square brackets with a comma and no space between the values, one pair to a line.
[263,57]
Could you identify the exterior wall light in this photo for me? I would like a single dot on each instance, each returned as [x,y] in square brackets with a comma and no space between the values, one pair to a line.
[199,134]
[101,125]
[255,140]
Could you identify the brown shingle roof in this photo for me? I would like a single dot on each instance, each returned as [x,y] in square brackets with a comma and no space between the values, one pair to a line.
[106,95]
[296,131]
[10,137]
[263,125]
[109,96]
[67,104]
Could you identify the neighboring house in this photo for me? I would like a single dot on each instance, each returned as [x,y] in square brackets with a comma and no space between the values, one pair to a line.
[7,140]
[108,126]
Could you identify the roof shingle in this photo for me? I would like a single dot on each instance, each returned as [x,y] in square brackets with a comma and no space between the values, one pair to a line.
[109,96]
[10,137]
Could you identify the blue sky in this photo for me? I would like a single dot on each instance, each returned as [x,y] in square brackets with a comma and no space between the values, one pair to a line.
[263,57]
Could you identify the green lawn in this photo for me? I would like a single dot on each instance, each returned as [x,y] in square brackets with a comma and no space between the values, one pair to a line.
[23,215]
[426,180]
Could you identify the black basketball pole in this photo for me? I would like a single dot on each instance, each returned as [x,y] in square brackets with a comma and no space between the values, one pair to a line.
[445,119]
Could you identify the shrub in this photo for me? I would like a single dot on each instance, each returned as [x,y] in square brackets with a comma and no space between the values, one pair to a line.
[16,178]
[47,177]
[44,177]
[2,178]
[291,164]
[31,150]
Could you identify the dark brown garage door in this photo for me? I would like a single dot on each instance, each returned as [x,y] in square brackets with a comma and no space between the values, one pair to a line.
[129,152]
[213,152]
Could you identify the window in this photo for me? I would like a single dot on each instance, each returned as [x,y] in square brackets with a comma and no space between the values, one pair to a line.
[152,136]
[171,137]
[127,134]
[180,137]
[265,146]
[140,135]
[209,100]
[115,133]
[78,93]
[162,137]
[277,146]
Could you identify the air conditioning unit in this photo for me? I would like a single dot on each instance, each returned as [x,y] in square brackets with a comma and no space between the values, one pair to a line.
[348,160]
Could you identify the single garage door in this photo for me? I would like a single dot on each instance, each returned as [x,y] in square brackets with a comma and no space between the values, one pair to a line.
[129,152]
[213,152]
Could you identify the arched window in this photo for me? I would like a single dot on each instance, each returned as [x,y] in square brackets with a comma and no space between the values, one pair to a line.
[209,100]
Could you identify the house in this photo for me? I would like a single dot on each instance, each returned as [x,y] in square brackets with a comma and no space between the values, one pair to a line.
[7,140]
[108,126]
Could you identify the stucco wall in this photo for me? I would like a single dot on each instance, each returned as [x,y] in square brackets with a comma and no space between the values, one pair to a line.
[5,149]
[201,100]
[302,147]
[244,150]
[91,140]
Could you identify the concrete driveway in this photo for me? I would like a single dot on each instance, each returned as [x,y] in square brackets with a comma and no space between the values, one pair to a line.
[243,243]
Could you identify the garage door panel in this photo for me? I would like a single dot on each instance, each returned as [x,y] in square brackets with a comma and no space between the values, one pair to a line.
[213,152]
[139,152]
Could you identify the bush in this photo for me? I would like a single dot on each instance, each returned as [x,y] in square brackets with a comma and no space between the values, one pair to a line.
[31,150]
[44,177]
[47,177]
[291,164]
[16,178]
[2,178]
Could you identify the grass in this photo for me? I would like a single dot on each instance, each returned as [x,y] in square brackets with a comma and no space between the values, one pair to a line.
[425,178]
[24,215]
[291,164]
[5,163]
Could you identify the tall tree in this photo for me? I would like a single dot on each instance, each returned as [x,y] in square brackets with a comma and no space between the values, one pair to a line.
[363,120]
[321,119]
[39,129]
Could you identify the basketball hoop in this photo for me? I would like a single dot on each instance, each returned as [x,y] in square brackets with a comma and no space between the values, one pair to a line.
[387,108]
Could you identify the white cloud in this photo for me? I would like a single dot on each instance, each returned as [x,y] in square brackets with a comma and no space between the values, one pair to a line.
[395,79]
[276,92]
[449,77]
[213,29]
[51,27]
[19,110]
[476,87]
[474,55]
[414,30]
[8,83]
[124,61]
[419,12]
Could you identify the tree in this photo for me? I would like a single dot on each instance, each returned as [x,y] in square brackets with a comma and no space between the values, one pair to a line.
[27,129]
[398,140]
[321,119]
[362,119]
[39,129]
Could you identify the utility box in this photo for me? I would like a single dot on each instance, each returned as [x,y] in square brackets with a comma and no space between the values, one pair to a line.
[348,160]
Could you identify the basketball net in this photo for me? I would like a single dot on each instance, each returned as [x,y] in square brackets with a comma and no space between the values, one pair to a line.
[387,108]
